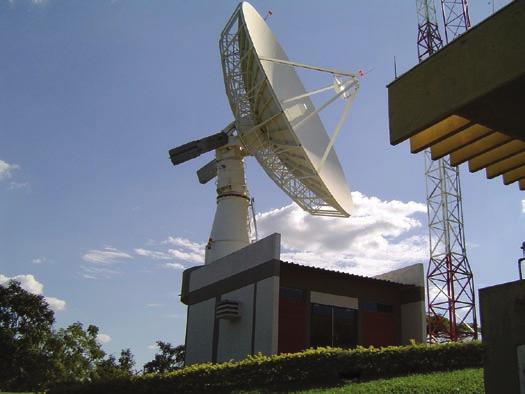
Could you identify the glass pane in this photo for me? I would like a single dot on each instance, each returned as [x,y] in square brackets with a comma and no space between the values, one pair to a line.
[367,306]
[384,308]
[291,294]
[345,327]
[321,327]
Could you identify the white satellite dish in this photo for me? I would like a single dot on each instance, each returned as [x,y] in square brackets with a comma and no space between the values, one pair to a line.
[277,123]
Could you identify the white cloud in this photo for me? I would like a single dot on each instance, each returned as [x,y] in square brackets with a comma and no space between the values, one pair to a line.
[103,338]
[6,169]
[175,266]
[153,346]
[39,260]
[174,316]
[91,272]
[153,254]
[188,256]
[29,283]
[55,304]
[185,244]
[378,237]
[108,255]
[18,185]
[179,250]
[153,305]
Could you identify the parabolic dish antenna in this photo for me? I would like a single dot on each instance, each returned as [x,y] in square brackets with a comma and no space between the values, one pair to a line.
[291,143]
[277,123]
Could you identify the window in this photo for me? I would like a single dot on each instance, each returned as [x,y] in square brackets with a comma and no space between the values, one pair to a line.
[333,326]
[373,307]
[292,294]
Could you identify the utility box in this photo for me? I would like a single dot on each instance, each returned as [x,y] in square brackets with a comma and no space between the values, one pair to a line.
[502,310]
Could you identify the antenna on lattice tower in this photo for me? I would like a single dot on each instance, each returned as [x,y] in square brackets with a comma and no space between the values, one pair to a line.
[450,284]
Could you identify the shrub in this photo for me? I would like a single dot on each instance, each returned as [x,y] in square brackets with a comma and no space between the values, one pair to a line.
[311,367]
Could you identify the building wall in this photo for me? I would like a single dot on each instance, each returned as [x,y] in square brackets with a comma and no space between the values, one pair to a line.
[266,316]
[502,310]
[390,309]
[235,336]
[199,331]
[253,277]
[249,277]
[413,317]
[294,320]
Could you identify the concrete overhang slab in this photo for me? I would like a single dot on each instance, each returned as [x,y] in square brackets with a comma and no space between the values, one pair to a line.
[468,99]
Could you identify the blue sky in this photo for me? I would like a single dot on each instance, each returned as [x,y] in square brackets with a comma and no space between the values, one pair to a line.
[94,93]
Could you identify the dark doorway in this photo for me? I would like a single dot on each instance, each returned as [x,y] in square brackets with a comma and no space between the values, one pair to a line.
[333,326]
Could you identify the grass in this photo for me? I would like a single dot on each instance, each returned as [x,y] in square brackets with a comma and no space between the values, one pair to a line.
[460,381]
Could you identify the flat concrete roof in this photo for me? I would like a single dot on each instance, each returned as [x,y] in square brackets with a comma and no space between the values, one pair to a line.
[468,99]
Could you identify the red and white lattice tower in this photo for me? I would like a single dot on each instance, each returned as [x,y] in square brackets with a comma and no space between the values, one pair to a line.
[450,284]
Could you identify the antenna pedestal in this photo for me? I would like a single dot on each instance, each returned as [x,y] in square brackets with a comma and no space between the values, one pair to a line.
[230,226]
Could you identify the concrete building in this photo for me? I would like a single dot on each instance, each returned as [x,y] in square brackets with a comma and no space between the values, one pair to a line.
[503,324]
[251,302]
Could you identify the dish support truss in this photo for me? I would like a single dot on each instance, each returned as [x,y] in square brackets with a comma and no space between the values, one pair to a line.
[295,179]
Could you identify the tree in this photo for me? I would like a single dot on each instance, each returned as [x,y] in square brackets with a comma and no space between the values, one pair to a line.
[76,353]
[25,328]
[33,356]
[126,361]
[109,368]
[439,326]
[169,359]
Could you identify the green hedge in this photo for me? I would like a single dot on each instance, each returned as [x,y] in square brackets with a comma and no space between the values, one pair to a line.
[308,368]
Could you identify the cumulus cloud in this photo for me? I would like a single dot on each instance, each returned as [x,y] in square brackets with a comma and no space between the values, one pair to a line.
[377,238]
[380,236]
[29,283]
[6,170]
[108,255]
[55,304]
[103,338]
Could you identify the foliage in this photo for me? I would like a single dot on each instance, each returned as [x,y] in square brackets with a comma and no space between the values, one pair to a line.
[440,326]
[33,355]
[461,381]
[169,359]
[25,328]
[77,353]
[311,367]
[126,361]
[109,368]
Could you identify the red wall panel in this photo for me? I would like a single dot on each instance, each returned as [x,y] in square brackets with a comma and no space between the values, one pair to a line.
[379,329]
[293,325]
